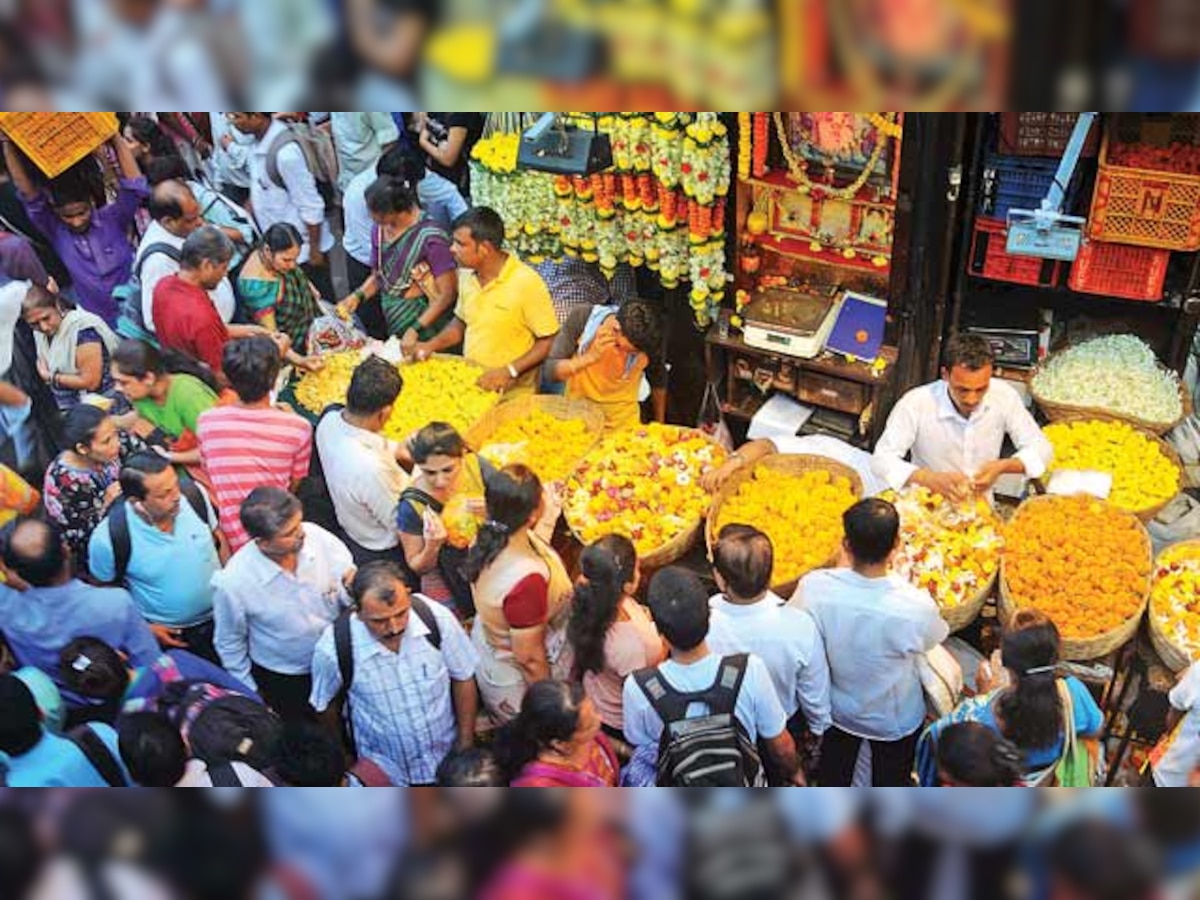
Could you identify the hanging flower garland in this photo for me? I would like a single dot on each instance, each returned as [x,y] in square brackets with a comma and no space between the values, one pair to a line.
[762,144]
[662,206]
[745,145]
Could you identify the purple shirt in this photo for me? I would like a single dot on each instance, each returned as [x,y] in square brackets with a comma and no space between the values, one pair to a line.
[18,261]
[101,258]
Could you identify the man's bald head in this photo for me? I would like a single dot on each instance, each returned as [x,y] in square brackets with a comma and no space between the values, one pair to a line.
[36,552]
[173,206]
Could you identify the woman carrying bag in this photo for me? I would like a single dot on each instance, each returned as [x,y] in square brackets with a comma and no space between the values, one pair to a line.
[1049,719]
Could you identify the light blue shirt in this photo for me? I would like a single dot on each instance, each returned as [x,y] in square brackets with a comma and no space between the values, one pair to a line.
[169,575]
[874,630]
[40,622]
[56,762]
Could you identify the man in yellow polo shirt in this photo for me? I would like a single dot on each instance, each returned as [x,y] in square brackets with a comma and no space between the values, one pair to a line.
[504,318]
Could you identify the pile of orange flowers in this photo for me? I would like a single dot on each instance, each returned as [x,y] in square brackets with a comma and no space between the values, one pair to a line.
[1082,562]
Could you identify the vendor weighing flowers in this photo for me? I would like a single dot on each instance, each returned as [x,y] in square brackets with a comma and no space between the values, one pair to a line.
[604,353]
[504,318]
[954,429]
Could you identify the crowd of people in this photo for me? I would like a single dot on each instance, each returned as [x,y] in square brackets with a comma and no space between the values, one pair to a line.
[213,589]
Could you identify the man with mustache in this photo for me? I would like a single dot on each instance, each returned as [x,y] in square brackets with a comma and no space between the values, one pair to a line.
[399,674]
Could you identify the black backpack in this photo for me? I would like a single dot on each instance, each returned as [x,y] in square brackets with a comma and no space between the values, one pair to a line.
[708,751]
[118,526]
[343,645]
[98,754]
[222,726]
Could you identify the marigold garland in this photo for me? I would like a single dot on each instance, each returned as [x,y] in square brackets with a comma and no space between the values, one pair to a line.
[670,170]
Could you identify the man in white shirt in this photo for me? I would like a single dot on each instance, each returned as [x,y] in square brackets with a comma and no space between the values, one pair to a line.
[293,197]
[360,138]
[954,429]
[361,466]
[412,697]
[276,597]
[176,214]
[680,608]
[875,625]
[748,617]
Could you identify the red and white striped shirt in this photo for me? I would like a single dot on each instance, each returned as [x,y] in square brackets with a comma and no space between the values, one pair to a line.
[247,448]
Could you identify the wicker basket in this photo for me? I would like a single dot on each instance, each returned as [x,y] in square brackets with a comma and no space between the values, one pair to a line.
[56,141]
[675,549]
[1165,446]
[522,407]
[1091,648]
[1055,412]
[965,614]
[1173,656]
[786,464]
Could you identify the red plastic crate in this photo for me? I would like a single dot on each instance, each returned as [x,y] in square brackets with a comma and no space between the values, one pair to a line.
[1042,134]
[1119,270]
[989,259]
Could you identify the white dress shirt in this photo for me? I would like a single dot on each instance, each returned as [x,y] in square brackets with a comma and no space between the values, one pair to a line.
[364,481]
[357,237]
[271,617]
[159,266]
[297,201]
[787,641]
[758,707]
[874,630]
[400,703]
[359,138]
[926,424]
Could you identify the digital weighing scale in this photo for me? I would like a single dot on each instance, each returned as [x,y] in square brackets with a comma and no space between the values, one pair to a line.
[791,322]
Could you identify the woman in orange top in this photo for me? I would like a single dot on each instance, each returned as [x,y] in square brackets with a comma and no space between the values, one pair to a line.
[603,352]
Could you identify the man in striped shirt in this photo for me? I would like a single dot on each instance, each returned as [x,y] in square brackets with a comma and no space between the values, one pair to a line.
[251,443]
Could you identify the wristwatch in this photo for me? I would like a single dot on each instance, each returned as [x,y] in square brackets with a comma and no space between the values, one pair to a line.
[512,371]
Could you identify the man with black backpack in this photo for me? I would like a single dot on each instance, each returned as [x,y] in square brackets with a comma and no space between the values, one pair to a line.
[696,717]
[293,178]
[160,540]
[397,675]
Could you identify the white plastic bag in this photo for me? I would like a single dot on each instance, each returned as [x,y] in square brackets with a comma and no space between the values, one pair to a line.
[329,334]
[711,420]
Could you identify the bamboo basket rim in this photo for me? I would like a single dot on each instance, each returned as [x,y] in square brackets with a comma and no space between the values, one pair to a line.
[1055,410]
[1097,646]
[1165,447]
[963,615]
[678,546]
[564,408]
[790,464]
[1175,657]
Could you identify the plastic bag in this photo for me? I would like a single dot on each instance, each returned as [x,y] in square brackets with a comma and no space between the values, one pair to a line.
[329,334]
[711,420]
[1179,521]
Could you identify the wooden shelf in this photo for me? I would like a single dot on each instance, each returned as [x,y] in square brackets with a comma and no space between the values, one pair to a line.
[826,364]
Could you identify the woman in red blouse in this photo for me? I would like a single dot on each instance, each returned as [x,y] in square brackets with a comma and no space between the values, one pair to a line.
[522,592]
